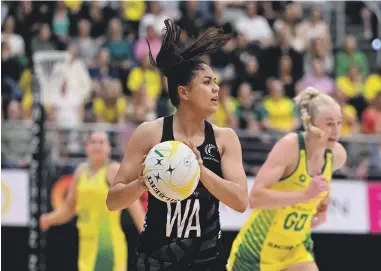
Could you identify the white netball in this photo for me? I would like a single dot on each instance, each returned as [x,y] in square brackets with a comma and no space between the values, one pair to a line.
[171,171]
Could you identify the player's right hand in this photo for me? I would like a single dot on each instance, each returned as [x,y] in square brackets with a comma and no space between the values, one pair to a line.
[140,173]
[317,186]
[45,222]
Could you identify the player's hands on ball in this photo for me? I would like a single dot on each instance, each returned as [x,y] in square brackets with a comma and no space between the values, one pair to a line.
[193,147]
[140,173]
[317,186]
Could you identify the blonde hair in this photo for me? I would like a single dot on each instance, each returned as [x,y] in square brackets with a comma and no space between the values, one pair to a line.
[310,101]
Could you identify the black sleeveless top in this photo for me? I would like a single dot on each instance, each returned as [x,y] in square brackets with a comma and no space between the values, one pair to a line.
[185,232]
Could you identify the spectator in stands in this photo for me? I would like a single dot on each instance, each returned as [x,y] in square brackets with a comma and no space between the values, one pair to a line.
[4,11]
[97,19]
[74,6]
[68,110]
[367,18]
[252,76]
[241,50]
[110,106]
[278,112]
[153,18]
[315,28]
[271,57]
[191,20]
[43,41]
[132,13]
[349,57]
[247,109]
[141,47]
[254,27]
[228,57]
[315,49]
[61,23]
[285,76]
[218,19]
[27,99]
[224,115]
[27,22]
[289,24]
[142,108]
[147,78]
[77,75]
[350,124]
[87,46]
[102,69]
[15,139]
[352,86]
[372,116]
[15,41]
[318,78]
[10,66]
[372,125]
[10,74]
[373,85]
[120,49]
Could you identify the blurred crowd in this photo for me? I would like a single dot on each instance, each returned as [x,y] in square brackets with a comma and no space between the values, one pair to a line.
[277,49]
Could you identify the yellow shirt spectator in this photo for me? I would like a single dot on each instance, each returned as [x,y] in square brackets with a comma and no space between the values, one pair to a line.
[221,118]
[150,79]
[25,83]
[280,113]
[349,88]
[110,114]
[133,9]
[349,112]
[74,5]
[372,86]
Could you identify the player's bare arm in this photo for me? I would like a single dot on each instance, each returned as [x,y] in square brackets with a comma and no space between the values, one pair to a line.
[65,212]
[136,209]
[128,184]
[232,189]
[281,160]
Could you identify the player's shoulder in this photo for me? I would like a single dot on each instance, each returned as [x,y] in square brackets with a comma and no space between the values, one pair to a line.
[289,141]
[149,126]
[80,168]
[148,132]
[224,132]
[286,148]
[113,165]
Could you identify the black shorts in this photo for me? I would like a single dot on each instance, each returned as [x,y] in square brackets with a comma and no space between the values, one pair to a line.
[145,263]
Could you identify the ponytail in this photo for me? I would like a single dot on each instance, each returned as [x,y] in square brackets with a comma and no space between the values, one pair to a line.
[180,64]
[306,102]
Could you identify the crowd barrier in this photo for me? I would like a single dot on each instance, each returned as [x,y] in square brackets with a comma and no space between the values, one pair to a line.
[355,205]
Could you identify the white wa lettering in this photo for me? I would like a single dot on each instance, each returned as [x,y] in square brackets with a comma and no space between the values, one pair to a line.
[181,220]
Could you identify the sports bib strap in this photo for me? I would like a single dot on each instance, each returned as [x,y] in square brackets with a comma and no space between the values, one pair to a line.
[209,134]
[301,141]
[167,134]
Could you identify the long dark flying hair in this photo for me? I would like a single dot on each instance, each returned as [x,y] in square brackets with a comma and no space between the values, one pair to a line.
[180,64]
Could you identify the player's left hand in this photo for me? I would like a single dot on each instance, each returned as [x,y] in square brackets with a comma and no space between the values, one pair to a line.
[193,147]
[320,217]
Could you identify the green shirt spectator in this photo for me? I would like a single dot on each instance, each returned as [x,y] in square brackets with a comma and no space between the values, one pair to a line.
[351,57]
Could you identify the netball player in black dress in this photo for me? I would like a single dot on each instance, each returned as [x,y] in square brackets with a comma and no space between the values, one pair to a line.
[170,241]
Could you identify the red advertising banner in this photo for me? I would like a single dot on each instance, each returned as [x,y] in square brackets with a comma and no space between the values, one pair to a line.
[374,196]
